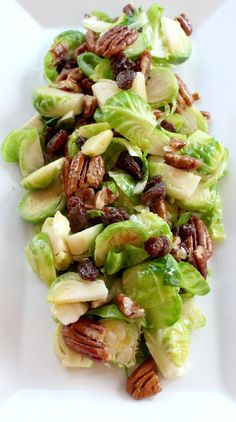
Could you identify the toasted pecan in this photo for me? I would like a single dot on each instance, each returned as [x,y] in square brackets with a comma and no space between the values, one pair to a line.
[184,91]
[128,307]
[115,41]
[89,105]
[75,172]
[144,381]
[185,23]
[96,171]
[184,162]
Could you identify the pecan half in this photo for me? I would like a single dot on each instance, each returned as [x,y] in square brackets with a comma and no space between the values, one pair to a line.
[115,41]
[86,337]
[89,105]
[184,91]
[157,246]
[75,172]
[143,64]
[81,49]
[168,126]
[91,39]
[180,104]
[96,171]
[201,261]
[65,174]
[184,162]
[129,9]
[159,207]
[206,114]
[185,23]
[203,237]
[144,381]
[104,197]
[128,307]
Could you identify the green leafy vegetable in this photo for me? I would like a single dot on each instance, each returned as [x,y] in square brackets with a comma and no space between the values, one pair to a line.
[87,62]
[192,281]
[162,87]
[53,102]
[123,257]
[11,144]
[153,224]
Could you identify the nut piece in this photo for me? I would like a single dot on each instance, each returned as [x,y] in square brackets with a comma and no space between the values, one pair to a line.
[157,113]
[128,9]
[184,92]
[157,246]
[185,23]
[128,307]
[104,197]
[90,37]
[81,49]
[143,64]
[196,96]
[168,126]
[206,114]
[57,142]
[75,172]
[115,41]
[180,104]
[144,381]
[203,237]
[184,162]
[65,174]
[160,208]
[86,337]
[201,261]
[89,105]
[176,144]
[96,171]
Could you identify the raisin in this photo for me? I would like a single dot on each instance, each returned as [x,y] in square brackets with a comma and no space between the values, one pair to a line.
[168,126]
[154,190]
[87,269]
[132,165]
[80,141]
[77,215]
[157,246]
[86,85]
[185,231]
[125,79]
[70,64]
[57,141]
[121,63]
[114,215]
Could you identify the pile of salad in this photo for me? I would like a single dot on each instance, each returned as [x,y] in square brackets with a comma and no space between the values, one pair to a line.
[121,183]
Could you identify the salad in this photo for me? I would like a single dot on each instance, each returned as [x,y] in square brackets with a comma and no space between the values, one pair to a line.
[121,184]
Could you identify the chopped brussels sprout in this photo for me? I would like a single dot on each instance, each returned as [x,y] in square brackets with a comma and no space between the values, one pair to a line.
[202,199]
[11,144]
[121,339]
[44,176]
[30,155]
[70,288]
[83,241]
[93,129]
[66,122]
[138,47]
[36,206]
[125,183]
[72,147]
[70,40]
[66,355]
[181,184]
[115,235]
[103,90]
[162,87]
[159,140]
[133,150]
[99,116]
[144,283]
[154,32]
[153,224]
[123,257]
[211,153]
[139,85]
[108,311]
[40,257]
[97,145]
[192,281]
[131,116]
[87,62]
[67,313]
[176,41]
[193,120]
[177,121]
[57,229]
[169,346]
[213,221]
[53,102]
[103,70]
[96,24]
[34,122]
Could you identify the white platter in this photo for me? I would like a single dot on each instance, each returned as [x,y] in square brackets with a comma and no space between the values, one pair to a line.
[33,384]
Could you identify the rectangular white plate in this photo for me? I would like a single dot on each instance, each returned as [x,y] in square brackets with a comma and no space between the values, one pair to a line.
[33,384]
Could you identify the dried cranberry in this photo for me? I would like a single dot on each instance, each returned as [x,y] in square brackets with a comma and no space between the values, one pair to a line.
[157,246]
[154,190]
[121,63]
[57,141]
[114,215]
[186,230]
[125,79]
[81,141]
[77,215]
[87,269]
[168,126]
[132,165]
